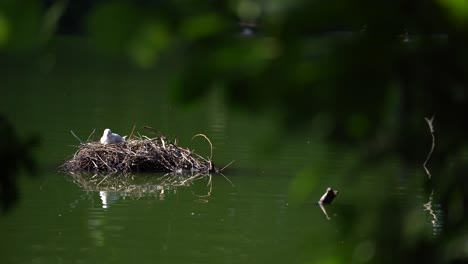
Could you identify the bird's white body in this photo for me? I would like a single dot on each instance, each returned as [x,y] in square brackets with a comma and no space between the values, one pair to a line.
[111,138]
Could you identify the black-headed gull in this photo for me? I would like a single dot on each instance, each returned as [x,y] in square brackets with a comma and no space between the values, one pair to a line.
[111,138]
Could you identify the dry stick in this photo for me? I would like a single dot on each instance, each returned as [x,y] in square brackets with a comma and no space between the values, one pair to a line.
[431,128]
[185,158]
[210,184]
[102,180]
[207,139]
[131,134]
[200,157]
[428,207]
[73,133]
[227,165]
[90,135]
[225,177]
[105,163]
[154,130]
[164,145]
[190,179]
[324,211]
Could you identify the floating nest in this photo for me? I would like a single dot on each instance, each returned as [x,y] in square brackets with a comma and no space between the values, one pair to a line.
[138,154]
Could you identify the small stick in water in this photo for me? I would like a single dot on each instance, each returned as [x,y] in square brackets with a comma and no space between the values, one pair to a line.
[431,128]
[328,197]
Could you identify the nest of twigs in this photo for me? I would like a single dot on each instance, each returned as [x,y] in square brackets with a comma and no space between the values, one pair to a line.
[140,154]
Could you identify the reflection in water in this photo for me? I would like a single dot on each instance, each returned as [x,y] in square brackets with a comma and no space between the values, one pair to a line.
[157,191]
[116,187]
[112,188]
[101,225]
[97,224]
[434,214]
[75,203]
[364,251]
[98,221]
[324,210]
[218,119]
[108,198]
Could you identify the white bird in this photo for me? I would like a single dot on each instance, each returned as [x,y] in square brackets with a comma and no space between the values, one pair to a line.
[111,138]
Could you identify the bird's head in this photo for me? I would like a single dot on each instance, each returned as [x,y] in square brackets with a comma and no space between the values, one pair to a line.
[107,132]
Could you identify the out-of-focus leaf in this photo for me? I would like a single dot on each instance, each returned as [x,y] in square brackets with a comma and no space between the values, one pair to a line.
[202,26]
[21,25]
[358,126]
[248,10]
[458,9]
[151,39]
[248,58]
[113,25]
[51,19]
[303,184]
[4,30]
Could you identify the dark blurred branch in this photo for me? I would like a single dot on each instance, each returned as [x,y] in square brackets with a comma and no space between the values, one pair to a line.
[14,155]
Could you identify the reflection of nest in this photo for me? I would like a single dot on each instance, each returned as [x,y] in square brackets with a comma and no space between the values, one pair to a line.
[131,186]
[136,155]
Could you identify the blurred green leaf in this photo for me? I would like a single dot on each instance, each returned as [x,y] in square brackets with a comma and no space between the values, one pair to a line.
[458,9]
[330,260]
[304,183]
[51,19]
[201,26]
[4,30]
[246,58]
[358,126]
[112,26]
[21,25]
[149,42]
[248,10]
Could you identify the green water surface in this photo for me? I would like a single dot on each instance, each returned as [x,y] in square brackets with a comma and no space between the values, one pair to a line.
[256,219]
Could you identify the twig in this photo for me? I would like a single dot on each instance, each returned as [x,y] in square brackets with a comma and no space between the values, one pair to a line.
[90,135]
[207,139]
[227,165]
[154,130]
[110,169]
[73,133]
[102,180]
[232,184]
[163,144]
[131,134]
[324,211]
[190,179]
[431,128]
[428,207]
[210,184]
